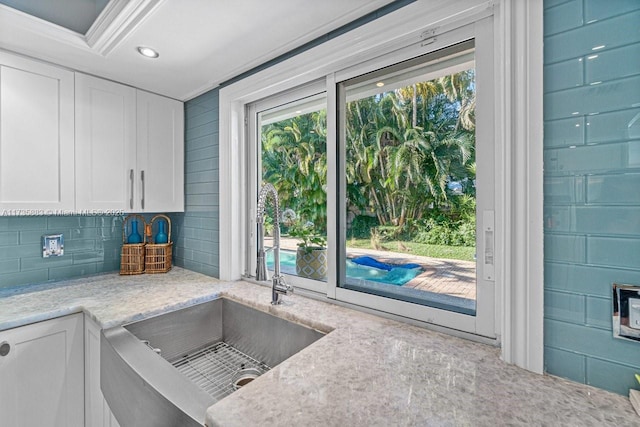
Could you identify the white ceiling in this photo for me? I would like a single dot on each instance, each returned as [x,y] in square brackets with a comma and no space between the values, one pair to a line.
[202,43]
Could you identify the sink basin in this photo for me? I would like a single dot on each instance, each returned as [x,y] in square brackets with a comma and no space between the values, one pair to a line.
[167,370]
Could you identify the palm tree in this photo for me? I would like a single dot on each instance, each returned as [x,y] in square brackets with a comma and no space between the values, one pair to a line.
[401,168]
[294,160]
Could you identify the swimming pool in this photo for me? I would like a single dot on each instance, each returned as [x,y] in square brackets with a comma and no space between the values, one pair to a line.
[395,276]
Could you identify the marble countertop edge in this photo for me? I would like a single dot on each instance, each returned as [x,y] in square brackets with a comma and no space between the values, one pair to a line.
[367,370]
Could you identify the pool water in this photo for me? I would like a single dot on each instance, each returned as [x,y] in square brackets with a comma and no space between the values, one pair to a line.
[395,276]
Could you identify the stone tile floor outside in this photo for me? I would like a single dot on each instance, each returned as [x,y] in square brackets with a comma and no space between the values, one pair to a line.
[443,276]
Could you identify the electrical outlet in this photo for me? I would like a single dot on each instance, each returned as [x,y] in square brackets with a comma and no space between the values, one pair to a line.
[52,245]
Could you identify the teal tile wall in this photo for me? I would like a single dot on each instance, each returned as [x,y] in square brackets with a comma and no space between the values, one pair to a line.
[91,245]
[196,236]
[592,185]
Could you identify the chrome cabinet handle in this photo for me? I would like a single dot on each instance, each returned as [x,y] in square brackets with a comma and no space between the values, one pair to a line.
[142,179]
[5,348]
[131,199]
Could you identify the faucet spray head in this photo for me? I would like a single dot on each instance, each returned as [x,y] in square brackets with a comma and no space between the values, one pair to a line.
[261,261]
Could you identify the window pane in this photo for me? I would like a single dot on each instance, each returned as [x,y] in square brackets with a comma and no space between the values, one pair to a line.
[410,181]
[294,159]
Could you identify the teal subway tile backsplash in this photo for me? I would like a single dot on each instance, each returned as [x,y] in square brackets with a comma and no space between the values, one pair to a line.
[610,33]
[201,153]
[627,60]
[613,127]
[564,306]
[610,375]
[92,241]
[563,190]
[25,277]
[613,220]
[598,9]
[591,172]
[599,313]
[196,242]
[16,223]
[565,247]
[59,273]
[9,266]
[613,189]
[564,132]
[8,238]
[572,365]
[36,263]
[552,3]
[563,75]
[589,341]
[592,159]
[586,279]
[563,17]
[594,98]
[614,252]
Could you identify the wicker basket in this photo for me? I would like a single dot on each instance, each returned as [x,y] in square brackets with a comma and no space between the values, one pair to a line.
[158,255]
[132,255]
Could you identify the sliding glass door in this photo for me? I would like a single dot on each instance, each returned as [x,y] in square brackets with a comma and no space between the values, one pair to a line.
[386,169]
[410,181]
[291,153]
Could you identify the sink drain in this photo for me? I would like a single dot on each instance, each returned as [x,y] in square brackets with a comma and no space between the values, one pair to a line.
[244,377]
[220,369]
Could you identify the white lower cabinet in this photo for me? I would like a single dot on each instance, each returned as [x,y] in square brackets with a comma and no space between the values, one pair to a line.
[42,375]
[97,411]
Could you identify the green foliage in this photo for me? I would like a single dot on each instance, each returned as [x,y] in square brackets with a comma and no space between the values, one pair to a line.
[307,232]
[447,233]
[294,160]
[421,249]
[403,146]
[361,227]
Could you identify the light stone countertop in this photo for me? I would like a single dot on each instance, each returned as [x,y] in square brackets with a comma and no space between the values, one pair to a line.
[367,371]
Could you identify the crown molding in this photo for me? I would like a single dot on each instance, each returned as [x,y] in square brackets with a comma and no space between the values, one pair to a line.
[117,21]
[13,20]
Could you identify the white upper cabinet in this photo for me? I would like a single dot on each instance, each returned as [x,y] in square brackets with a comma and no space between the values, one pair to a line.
[105,144]
[160,153]
[129,148]
[36,137]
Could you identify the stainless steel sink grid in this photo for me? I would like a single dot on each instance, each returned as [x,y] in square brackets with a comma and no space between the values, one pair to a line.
[215,368]
[167,370]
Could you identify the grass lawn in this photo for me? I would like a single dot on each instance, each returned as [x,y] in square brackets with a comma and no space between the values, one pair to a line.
[463,253]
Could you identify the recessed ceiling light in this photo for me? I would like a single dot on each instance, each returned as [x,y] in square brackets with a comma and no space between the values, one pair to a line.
[148,52]
[380,84]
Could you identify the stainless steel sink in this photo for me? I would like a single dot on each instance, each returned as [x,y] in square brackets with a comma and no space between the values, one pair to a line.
[166,370]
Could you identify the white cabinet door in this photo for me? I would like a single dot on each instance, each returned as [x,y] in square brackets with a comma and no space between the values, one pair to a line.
[41,376]
[36,136]
[105,144]
[129,148]
[97,411]
[160,153]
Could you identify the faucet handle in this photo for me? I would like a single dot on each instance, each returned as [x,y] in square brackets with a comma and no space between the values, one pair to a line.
[280,286]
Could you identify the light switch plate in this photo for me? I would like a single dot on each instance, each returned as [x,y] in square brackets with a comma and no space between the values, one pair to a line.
[626,312]
[52,245]
[634,313]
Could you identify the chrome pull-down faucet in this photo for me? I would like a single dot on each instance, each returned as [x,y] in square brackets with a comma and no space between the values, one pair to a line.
[278,287]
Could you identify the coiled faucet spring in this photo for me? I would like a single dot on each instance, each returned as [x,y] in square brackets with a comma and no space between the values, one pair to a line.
[279,287]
